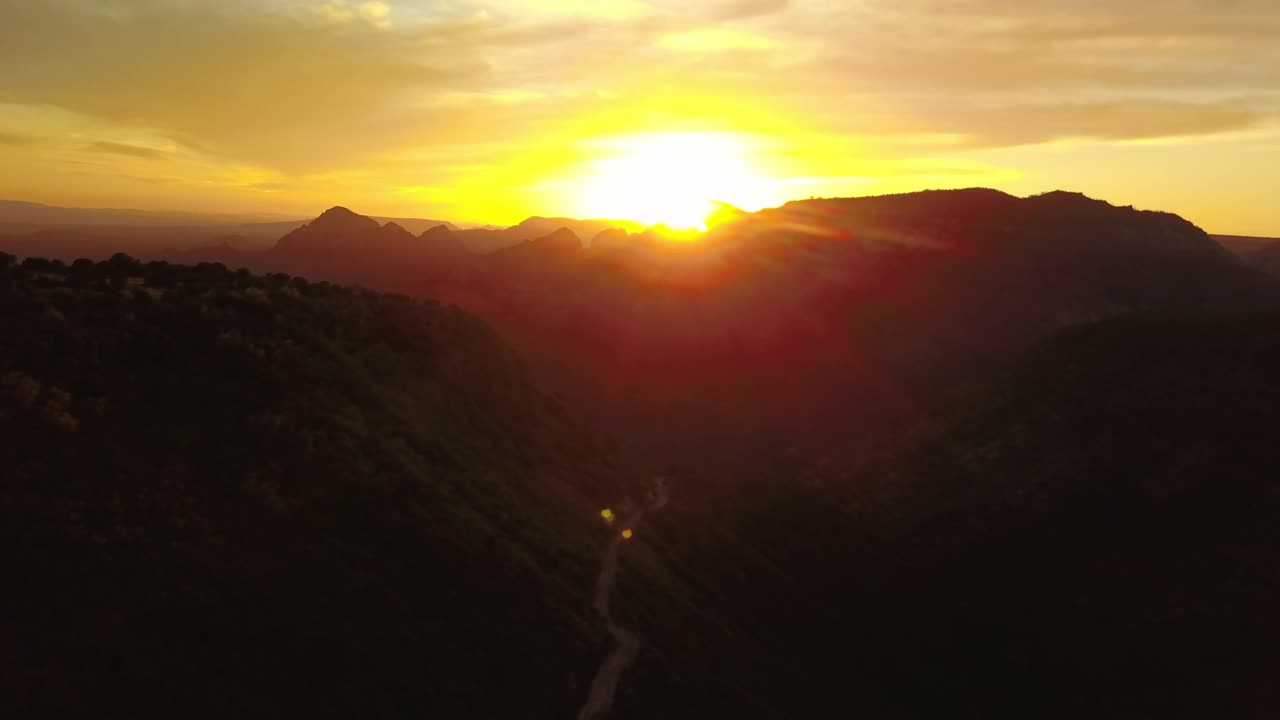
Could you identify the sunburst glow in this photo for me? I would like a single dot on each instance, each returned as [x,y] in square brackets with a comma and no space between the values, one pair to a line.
[674,178]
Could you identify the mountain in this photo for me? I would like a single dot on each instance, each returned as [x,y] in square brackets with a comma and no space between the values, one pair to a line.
[416,226]
[1267,258]
[1243,245]
[832,326]
[1094,537]
[611,239]
[264,495]
[69,233]
[541,226]
[487,241]
[1259,252]
[336,227]
[442,240]
[259,495]
[557,243]
[13,212]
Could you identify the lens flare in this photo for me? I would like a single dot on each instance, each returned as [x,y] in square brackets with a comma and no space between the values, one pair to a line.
[626,534]
[607,514]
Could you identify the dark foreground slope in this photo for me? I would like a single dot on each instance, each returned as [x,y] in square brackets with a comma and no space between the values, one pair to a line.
[257,496]
[226,495]
[1094,536]
[1266,258]
[1097,538]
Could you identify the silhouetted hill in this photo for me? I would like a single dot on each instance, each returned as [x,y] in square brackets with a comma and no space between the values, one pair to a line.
[1096,538]
[1266,258]
[558,243]
[336,227]
[262,496]
[68,233]
[611,239]
[417,226]
[13,212]
[1243,245]
[343,246]
[541,226]
[1090,536]
[442,240]
[68,242]
[259,495]
[831,325]
[484,241]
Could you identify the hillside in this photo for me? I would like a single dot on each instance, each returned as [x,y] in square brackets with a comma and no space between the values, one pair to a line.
[211,477]
[1243,245]
[1266,258]
[834,326]
[257,495]
[1096,538]
[1092,536]
[831,325]
[33,229]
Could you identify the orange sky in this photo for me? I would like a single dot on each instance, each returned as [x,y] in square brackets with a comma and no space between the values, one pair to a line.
[492,111]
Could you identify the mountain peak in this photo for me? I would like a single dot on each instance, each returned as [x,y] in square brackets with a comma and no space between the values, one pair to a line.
[437,231]
[610,239]
[563,237]
[340,219]
[560,243]
[1064,198]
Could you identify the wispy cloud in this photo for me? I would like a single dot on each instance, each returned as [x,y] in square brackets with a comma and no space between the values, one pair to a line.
[15,139]
[116,148]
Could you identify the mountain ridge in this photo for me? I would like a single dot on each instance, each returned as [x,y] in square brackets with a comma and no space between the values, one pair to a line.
[230,473]
[798,307]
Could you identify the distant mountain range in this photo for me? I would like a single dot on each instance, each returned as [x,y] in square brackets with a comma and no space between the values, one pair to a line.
[33,228]
[1262,253]
[28,213]
[832,323]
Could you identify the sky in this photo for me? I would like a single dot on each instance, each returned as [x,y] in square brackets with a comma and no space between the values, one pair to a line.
[491,111]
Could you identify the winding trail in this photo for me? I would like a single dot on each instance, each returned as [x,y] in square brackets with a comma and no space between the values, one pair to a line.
[626,643]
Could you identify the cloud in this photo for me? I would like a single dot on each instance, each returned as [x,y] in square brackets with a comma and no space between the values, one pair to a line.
[290,90]
[269,186]
[714,39]
[339,12]
[360,96]
[283,90]
[374,13]
[726,10]
[1107,121]
[15,139]
[115,148]
[609,10]
[1006,71]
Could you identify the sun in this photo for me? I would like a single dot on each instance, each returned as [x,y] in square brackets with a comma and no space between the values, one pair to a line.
[676,179]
